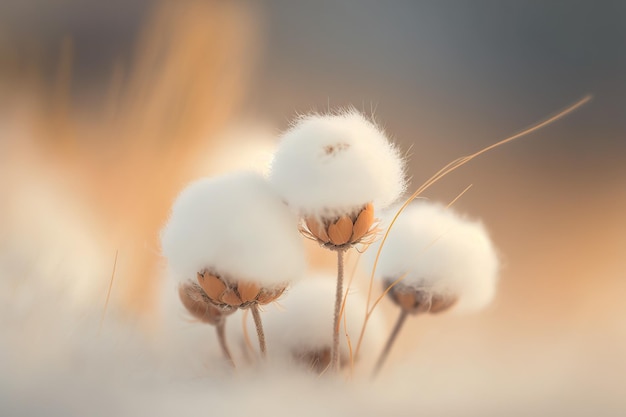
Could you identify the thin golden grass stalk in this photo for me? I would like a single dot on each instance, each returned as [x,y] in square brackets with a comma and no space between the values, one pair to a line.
[349,343]
[106,302]
[452,166]
[451,203]
[247,345]
[404,312]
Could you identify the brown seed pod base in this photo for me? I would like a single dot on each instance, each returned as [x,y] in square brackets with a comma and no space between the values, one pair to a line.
[237,295]
[415,301]
[200,306]
[316,360]
[344,231]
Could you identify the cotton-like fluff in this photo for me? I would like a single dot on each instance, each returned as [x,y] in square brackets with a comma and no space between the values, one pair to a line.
[448,260]
[332,164]
[235,228]
[300,328]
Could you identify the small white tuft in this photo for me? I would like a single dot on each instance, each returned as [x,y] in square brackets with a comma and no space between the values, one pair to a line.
[304,322]
[333,164]
[236,226]
[440,251]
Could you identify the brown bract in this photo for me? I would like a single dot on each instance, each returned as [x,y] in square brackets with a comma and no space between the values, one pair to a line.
[200,306]
[341,232]
[415,301]
[316,360]
[236,295]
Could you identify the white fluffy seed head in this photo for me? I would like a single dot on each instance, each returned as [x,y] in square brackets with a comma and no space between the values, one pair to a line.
[439,251]
[238,227]
[304,321]
[334,164]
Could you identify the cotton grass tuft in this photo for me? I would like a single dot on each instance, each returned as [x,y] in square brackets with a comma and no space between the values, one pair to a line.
[235,226]
[335,164]
[439,252]
[300,328]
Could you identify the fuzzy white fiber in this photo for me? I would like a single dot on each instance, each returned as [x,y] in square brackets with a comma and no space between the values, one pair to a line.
[236,226]
[303,321]
[55,362]
[332,164]
[441,251]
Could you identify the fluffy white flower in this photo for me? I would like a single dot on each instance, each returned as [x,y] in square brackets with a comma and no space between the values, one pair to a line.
[334,164]
[236,226]
[440,252]
[303,324]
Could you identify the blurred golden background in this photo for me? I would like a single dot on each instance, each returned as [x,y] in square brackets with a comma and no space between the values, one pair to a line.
[108,108]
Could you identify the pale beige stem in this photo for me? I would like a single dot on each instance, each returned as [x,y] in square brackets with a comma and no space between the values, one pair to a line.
[221,337]
[390,341]
[334,353]
[259,328]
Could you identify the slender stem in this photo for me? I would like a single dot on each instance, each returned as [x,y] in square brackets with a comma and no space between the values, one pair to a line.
[259,328]
[106,303]
[390,341]
[246,343]
[221,336]
[334,353]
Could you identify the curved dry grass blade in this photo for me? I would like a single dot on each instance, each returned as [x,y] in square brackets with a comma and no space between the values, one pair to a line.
[106,302]
[450,168]
[348,342]
[246,335]
[459,196]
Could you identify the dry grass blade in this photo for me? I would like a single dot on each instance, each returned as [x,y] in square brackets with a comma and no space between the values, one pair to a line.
[457,163]
[349,343]
[106,302]
[246,335]
[459,196]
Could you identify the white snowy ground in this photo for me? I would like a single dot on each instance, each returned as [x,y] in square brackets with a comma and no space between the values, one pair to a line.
[54,362]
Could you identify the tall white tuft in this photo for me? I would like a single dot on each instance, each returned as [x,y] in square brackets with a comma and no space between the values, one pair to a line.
[236,226]
[334,164]
[440,252]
